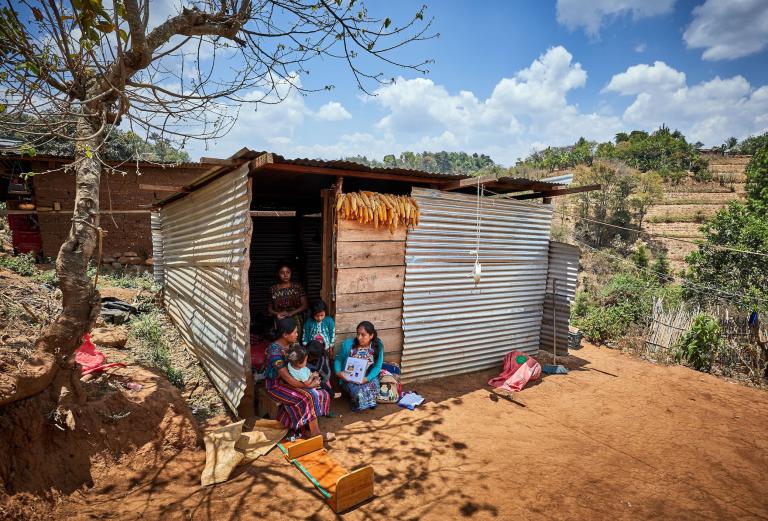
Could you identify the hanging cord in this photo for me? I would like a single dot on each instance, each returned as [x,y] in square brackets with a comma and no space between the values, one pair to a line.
[478,221]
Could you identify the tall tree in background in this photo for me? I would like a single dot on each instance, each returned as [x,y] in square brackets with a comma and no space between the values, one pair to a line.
[82,68]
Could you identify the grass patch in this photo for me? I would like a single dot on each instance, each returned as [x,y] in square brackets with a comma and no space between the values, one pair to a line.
[124,280]
[147,329]
[696,217]
[23,264]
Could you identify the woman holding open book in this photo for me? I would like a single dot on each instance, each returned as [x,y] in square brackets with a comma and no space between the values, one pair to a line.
[358,364]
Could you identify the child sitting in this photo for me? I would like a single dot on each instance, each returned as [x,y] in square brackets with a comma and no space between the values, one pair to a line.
[320,326]
[297,366]
[317,361]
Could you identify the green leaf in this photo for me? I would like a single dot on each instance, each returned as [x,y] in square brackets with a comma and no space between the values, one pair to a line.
[123,35]
[370,46]
[420,15]
[3,108]
[387,22]
[27,149]
[88,152]
[120,8]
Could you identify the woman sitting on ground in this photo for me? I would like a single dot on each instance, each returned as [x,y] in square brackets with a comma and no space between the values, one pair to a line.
[366,346]
[299,408]
[287,298]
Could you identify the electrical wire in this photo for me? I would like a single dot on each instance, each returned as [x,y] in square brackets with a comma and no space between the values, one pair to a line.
[635,230]
[697,288]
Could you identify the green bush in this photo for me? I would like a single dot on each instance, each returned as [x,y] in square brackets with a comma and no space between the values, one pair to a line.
[641,257]
[661,268]
[698,347]
[23,264]
[608,314]
[703,175]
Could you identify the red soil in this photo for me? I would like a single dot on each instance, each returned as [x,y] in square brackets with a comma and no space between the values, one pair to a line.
[617,438]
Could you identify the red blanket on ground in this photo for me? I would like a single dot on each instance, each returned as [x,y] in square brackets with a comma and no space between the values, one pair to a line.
[90,359]
[519,369]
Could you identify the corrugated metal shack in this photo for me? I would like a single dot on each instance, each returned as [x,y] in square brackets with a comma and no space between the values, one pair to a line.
[217,243]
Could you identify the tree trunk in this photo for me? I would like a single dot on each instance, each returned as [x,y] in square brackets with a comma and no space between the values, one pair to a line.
[53,361]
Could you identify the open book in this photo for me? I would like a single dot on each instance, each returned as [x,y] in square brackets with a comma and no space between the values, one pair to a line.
[355,369]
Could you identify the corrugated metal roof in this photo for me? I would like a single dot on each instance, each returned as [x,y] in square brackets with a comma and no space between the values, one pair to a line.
[451,325]
[359,167]
[501,185]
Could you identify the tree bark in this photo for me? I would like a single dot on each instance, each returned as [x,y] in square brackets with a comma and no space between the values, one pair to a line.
[53,361]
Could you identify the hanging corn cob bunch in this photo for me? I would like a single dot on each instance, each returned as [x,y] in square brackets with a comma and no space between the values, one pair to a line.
[379,209]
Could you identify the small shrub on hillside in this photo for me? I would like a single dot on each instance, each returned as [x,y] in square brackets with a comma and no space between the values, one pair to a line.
[703,176]
[641,257]
[23,264]
[661,268]
[700,344]
[608,314]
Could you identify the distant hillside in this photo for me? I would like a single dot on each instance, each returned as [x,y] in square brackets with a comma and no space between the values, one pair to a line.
[686,205]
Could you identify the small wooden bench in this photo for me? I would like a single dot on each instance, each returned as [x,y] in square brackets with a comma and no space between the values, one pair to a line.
[341,488]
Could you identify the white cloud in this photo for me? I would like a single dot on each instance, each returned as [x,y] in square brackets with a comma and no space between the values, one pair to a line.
[591,14]
[642,78]
[708,111]
[529,108]
[727,30]
[273,124]
[524,112]
[640,47]
[332,111]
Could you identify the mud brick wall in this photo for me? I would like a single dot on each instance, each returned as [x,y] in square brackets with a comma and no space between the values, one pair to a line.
[121,201]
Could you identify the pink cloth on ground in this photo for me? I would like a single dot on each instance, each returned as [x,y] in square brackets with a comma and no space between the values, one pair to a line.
[515,375]
[90,359]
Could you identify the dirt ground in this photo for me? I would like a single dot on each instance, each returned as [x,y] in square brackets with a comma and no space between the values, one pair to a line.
[617,438]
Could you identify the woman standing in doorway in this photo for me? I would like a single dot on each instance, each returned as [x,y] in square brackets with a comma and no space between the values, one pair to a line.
[299,408]
[287,298]
[366,346]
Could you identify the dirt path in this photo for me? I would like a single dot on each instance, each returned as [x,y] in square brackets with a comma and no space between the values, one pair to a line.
[618,438]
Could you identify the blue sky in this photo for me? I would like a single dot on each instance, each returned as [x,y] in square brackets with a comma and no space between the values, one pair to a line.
[513,76]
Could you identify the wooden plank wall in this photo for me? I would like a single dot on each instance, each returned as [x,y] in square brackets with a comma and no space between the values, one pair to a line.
[370,272]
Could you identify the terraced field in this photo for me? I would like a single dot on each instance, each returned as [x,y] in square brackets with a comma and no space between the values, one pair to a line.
[687,205]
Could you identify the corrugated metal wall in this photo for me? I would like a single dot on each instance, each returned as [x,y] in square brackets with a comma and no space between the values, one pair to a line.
[157,249]
[562,279]
[206,237]
[450,325]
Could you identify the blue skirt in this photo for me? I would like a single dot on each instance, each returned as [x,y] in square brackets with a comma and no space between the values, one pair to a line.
[361,396]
